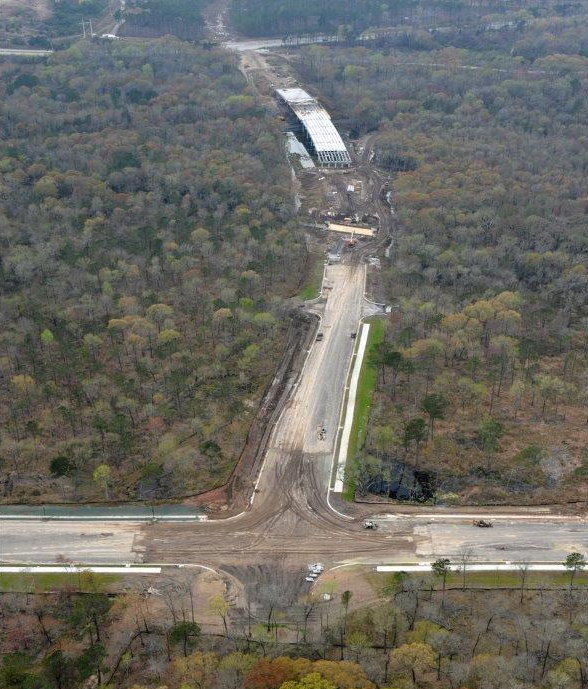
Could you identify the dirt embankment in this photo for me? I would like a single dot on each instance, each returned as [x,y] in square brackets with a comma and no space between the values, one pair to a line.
[235,494]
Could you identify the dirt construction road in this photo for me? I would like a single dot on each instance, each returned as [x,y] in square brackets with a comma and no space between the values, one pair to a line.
[290,522]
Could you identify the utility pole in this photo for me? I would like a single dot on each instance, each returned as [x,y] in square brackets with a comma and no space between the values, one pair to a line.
[87,23]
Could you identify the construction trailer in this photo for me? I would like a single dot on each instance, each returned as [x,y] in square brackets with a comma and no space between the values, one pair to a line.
[319,132]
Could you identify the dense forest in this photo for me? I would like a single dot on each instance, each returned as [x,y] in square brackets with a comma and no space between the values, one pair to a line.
[438,631]
[349,19]
[483,377]
[37,22]
[67,15]
[148,247]
[150,18]
[266,17]
[56,23]
[144,251]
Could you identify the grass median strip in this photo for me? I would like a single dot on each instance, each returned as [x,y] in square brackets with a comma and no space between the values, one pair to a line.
[366,385]
[54,581]
[485,580]
[314,278]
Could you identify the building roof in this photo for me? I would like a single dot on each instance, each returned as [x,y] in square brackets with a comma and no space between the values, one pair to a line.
[316,121]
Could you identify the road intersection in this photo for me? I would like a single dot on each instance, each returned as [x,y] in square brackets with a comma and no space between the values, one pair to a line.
[294,518]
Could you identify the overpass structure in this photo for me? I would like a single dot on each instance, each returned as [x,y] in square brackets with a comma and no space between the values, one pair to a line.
[320,132]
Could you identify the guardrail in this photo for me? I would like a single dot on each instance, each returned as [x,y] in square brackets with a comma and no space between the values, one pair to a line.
[25,52]
[78,569]
[102,513]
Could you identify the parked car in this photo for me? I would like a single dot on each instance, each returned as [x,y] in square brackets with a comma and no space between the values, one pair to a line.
[316,567]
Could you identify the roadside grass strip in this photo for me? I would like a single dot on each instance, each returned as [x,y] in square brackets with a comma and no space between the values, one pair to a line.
[536,577]
[361,388]
[27,581]
[432,517]
[313,287]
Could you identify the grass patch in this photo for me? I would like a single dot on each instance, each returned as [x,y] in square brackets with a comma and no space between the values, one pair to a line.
[368,378]
[513,579]
[53,581]
[314,277]
[484,580]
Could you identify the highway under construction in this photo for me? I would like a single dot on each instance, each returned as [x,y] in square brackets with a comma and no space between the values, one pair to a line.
[288,514]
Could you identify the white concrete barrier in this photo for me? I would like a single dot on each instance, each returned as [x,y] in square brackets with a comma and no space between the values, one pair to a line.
[472,567]
[350,410]
[76,569]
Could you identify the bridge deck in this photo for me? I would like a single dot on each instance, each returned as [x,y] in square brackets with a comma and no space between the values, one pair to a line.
[320,131]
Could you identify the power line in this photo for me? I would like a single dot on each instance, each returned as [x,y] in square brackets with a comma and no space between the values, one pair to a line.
[89,23]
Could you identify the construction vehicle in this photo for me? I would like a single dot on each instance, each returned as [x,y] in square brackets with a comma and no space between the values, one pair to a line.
[315,569]
[482,523]
[370,524]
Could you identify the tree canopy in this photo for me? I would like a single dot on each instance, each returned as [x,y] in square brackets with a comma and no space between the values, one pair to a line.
[146,245]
